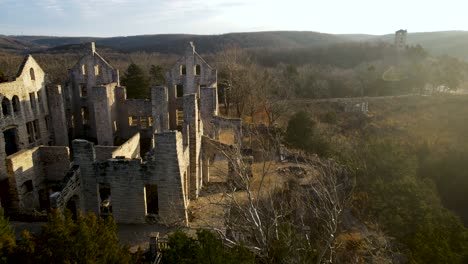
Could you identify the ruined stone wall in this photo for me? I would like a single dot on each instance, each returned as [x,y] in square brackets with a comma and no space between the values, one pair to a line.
[90,71]
[234,124]
[29,171]
[208,108]
[104,113]
[55,162]
[194,131]
[104,153]
[85,156]
[30,80]
[169,165]
[130,149]
[197,74]
[168,168]
[160,100]
[25,176]
[127,189]
[140,109]
[58,127]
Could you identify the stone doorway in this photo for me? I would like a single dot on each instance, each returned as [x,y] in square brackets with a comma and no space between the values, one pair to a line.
[11,141]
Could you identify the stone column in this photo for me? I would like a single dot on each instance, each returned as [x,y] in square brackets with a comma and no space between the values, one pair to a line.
[102,101]
[85,156]
[160,111]
[58,122]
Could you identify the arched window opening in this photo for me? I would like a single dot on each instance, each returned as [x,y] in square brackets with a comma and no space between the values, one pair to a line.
[27,186]
[16,104]
[83,69]
[197,70]
[6,107]
[97,70]
[31,73]
[183,70]
[85,116]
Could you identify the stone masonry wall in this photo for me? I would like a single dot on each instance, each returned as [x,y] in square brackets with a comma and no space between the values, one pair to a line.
[90,71]
[169,166]
[127,190]
[55,162]
[104,105]
[191,80]
[23,167]
[40,165]
[57,112]
[191,119]
[104,153]
[85,156]
[130,149]
[159,101]
[30,80]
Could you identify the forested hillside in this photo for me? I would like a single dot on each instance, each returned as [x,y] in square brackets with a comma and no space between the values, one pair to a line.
[451,43]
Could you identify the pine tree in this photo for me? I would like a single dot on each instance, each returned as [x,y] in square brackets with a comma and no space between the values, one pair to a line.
[136,81]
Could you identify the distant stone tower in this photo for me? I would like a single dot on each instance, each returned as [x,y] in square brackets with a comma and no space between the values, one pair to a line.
[400,39]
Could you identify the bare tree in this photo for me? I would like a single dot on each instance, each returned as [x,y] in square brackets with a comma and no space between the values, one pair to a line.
[295,216]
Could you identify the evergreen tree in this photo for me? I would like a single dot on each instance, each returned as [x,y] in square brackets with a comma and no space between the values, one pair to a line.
[206,248]
[301,134]
[7,239]
[63,240]
[136,81]
[157,75]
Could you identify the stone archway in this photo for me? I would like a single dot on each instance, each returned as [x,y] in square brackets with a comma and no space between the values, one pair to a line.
[73,204]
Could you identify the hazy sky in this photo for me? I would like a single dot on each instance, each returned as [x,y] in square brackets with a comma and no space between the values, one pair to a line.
[134,17]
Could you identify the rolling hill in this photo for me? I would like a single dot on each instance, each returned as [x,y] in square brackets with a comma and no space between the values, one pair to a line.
[438,43]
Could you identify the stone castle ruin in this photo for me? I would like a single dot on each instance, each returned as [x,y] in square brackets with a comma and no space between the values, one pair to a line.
[400,39]
[40,121]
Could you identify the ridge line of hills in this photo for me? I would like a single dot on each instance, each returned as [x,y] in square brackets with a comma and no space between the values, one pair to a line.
[451,43]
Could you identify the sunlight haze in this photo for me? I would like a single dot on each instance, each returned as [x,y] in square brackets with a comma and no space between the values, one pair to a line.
[135,17]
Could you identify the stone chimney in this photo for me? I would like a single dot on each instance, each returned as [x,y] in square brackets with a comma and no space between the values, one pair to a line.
[190,49]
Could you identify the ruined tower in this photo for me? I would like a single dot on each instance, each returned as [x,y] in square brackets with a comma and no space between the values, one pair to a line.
[400,39]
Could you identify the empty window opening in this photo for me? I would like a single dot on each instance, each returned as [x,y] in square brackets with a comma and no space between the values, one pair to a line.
[85,115]
[115,126]
[183,70]
[83,69]
[73,205]
[179,90]
[179,118]
[83,90]
[133,121]
[143,122]
[97,70]
[47,122]
[44,202]
[105,198]
[39,100]
[16,104]
[30,130]
[32,100]
[37,133]
[151,199]
[27,186]
[197,69]
[31,73]
[150,121]
[11,139]
[6,110]
[72,121]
